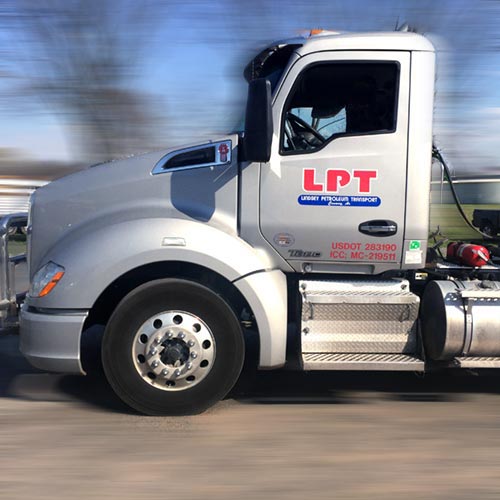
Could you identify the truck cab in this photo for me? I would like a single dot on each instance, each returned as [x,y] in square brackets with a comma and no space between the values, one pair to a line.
[307,231]
[350,151]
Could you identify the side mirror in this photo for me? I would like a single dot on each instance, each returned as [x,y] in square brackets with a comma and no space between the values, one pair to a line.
[258,122]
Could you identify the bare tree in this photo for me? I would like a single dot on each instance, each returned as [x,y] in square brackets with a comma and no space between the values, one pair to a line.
[80,57]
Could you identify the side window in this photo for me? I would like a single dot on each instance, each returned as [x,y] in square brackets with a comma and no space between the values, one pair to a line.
[330,100]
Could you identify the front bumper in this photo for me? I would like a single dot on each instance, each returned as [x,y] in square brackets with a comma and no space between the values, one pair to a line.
[52,341]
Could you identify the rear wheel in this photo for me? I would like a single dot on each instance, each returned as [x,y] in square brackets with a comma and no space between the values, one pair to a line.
[172,347]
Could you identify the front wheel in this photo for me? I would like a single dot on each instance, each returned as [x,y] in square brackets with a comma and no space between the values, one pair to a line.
[172,347]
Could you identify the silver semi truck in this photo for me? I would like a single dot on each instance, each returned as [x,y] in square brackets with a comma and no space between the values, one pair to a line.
[313,221]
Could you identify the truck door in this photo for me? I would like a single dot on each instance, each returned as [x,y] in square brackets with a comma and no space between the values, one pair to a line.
[332,196]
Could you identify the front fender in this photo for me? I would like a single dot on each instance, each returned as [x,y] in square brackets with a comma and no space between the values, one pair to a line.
[95,259]
[266,294]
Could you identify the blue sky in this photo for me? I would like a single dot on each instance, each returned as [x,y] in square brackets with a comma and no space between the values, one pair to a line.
[194,54]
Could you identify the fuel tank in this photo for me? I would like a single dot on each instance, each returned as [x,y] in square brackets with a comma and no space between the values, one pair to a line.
[461,318]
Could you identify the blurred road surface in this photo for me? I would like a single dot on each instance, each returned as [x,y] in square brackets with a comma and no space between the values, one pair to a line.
[278,435]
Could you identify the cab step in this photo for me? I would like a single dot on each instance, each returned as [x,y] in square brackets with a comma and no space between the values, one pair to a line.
[476,362]
[361,361]
[359,316]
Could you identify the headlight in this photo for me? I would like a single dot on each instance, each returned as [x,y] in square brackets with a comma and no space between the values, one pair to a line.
[46,279]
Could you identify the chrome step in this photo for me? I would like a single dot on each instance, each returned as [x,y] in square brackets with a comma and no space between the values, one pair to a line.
[359,316]
[391,291]
[353,361]
[476,362]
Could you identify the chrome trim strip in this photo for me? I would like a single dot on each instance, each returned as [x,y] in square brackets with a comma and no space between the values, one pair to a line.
[159,167]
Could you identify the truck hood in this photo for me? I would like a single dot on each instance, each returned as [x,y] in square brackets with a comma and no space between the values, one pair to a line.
[123,190]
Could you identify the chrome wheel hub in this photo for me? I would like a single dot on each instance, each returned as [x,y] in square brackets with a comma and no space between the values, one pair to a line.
[173,350]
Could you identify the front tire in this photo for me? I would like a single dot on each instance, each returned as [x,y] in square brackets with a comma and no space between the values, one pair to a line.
[172,347]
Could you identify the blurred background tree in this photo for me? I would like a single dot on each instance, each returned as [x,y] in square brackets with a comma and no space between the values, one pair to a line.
[124,76]
[79,57]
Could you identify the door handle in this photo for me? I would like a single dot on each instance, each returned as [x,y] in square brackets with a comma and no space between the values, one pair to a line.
[378,228]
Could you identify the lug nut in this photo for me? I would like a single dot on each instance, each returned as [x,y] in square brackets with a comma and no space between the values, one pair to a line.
[153,351]
[189,366]
[177,373]
[158,340]
[170,334]
[181,335]
[155,363]
[164,372]
[194,355]
[191,343]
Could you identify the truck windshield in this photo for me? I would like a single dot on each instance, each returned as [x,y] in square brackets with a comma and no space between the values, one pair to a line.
[270,63]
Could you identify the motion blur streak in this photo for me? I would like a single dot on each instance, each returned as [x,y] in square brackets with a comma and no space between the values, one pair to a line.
[87,80]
